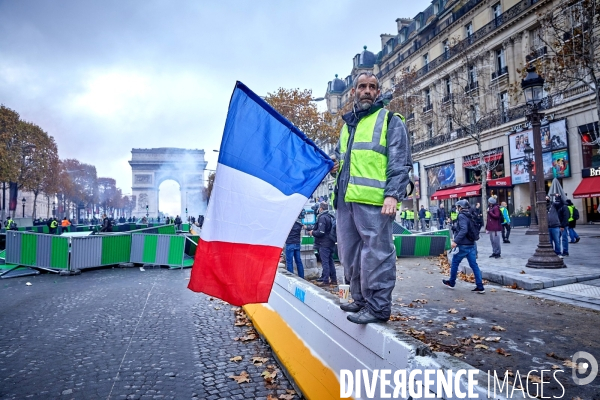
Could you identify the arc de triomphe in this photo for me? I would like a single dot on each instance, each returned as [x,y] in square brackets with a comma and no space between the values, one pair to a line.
[151,167]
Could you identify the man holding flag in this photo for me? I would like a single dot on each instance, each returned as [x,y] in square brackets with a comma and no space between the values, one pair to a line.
[374,162]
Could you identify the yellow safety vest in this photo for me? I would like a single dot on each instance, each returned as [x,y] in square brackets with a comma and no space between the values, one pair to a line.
[453,216]
[410,215]
[427,214]
[53,224]
[368,168]
[571,213]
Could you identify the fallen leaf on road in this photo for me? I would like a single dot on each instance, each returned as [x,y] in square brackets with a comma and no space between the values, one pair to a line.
[287,396]
[481,346]
[555,367]
[498,328]
[453,311]
[475,337]
[501,351]
[493,290]
[236,358]
[258,361]
[241,378]
[411,305]
[269,376]
[271,397]
[428,287]
[430,321]
[553,355]
[422,301]
[217,308]
[492,339]
[514,286]
[444,333]
[459,300]
[449,326]
[522,272]
[458,354]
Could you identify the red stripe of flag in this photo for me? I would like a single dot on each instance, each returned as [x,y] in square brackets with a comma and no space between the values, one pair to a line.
[237,273]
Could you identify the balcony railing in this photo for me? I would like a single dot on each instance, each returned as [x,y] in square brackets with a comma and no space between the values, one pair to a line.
[535,54]
[500,72]
[428,107]
[471,86]
[447,98]
[489,122]
[411,116]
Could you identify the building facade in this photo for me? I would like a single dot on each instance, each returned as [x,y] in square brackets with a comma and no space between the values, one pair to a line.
[466,58]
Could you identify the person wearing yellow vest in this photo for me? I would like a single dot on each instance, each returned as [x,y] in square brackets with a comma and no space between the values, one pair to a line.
[428,218]
[573,217]
[410,219]
[372,167]
[53,226]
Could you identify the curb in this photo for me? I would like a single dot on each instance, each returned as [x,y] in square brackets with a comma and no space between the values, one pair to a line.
[314,341]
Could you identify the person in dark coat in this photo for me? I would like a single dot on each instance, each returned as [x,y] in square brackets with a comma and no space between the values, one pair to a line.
[493,226]
[292,247]
[422,218]
[324,244]
[558,222]
[466,247]
[442,216]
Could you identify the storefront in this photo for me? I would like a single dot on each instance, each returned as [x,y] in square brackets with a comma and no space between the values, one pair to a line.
[501,188]
[589,190]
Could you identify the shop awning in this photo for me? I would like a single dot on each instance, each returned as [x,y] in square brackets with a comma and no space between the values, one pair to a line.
[456,192]
[589,187]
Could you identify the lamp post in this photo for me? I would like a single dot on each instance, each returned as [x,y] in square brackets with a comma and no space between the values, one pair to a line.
[53,209]
[544,256]
[533,224]
[23,201]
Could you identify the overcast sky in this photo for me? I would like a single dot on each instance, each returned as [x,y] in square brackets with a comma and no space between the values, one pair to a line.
[107,76]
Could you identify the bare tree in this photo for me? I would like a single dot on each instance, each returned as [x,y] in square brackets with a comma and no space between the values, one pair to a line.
[472,107]
[570,32]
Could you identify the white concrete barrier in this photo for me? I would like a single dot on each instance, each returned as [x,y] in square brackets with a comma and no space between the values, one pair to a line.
[314,341]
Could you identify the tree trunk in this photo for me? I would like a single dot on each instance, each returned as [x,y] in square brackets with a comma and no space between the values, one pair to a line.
[35,195]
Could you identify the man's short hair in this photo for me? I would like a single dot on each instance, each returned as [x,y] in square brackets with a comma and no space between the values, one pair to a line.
[368,75]
[324,205]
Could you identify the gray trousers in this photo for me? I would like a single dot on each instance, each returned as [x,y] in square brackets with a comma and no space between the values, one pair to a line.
[495,240]
[367,252]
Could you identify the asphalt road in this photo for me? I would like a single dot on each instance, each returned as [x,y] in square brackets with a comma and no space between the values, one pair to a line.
[125,334]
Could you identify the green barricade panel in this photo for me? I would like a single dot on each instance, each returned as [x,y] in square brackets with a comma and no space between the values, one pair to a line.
[28,249]
[115,249]
[166,230]
[307,240]
[59,254]
[149,253]
[176,250]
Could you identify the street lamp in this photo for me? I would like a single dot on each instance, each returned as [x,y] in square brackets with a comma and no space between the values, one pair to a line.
[533,225]
[24,200]
[53,209]
[544,256]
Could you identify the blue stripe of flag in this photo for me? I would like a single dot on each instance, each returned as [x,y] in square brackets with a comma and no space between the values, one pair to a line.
[259,141]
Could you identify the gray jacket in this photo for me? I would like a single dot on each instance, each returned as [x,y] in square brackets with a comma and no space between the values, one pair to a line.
[398,153]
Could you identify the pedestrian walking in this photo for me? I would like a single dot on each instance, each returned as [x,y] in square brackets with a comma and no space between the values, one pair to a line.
[493,226]
[505,222]
[178,223]
[292,247]
[442,216]
[374,163]
[422,218]
[428,218]
[466,234]
[573,217]
[403,217]
[325,244]
[558,220]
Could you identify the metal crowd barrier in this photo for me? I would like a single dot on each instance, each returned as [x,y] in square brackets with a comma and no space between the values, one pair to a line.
[419,245]
[40,251]
[158,249]
[97,251]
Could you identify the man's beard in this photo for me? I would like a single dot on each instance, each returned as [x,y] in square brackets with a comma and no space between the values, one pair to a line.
[363,105]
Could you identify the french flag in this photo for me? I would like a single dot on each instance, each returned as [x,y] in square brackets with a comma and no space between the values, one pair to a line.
[266,172]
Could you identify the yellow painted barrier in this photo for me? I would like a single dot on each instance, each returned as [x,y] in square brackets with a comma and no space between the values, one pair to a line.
[314,379]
